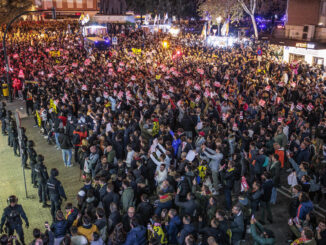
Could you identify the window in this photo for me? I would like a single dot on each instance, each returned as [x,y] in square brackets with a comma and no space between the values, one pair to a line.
[323,8]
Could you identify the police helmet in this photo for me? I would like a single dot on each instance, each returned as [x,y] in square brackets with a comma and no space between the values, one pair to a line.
[12,199]
[54,172]
[30,143]
[40,158]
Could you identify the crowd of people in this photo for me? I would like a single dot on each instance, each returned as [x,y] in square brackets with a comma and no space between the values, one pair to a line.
[176,144]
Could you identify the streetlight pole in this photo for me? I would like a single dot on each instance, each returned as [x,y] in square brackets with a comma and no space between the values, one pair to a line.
[9,82]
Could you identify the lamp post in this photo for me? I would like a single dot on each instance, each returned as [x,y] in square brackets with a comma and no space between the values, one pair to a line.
[219,20]
[9,82]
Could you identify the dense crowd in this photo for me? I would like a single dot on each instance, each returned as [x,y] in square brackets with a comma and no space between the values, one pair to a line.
[161,132]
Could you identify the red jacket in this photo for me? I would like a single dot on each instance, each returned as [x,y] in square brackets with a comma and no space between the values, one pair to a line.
[82,136]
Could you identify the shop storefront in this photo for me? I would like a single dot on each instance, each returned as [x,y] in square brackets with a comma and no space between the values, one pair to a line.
[305,52]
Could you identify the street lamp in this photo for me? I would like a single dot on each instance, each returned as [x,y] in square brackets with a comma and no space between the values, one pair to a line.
[9,82]
[219,20]
[165,44]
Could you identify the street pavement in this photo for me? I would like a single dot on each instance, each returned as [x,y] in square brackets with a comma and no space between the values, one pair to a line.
[12,182]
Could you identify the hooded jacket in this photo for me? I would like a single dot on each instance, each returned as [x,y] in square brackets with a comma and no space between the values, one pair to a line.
[173,229]
[137,236]
[187,229]
[304,209]
[59,228]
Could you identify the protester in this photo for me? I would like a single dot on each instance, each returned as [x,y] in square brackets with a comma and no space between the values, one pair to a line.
[153,133]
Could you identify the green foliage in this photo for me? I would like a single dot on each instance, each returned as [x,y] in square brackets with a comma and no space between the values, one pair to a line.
[223,8]
[11,8]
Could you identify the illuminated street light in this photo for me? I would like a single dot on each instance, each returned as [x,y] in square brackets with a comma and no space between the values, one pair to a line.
[165,44]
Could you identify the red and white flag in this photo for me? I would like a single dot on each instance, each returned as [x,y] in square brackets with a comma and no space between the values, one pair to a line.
[310,107]
[299,106]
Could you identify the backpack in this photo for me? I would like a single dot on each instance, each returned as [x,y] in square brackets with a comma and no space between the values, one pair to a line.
[76,139]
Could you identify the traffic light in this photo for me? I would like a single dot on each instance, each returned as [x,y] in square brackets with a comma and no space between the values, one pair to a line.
[54,14]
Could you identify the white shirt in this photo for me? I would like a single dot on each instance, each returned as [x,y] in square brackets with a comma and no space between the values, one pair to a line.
[129,158]
[79,240]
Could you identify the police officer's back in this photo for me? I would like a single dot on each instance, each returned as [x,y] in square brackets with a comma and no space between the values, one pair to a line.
[56,192]
[32,157]
[3,114]
[41,178]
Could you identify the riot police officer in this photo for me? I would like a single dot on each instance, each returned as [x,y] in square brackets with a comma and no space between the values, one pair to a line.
[7,120]
[14,138]
[12,217]
[32,160]
[24,148]
[3,114]
[42,177]
[56,191]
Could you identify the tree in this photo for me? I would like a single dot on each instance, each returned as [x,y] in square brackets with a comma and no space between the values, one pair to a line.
[140,6]
[224,8]
[250,10]
[11,8]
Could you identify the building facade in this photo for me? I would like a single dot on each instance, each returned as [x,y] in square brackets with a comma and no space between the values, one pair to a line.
[304,34]
[70,7]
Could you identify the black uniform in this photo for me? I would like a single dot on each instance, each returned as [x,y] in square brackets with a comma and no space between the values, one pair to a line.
[24,150]
[41,178]
[32,157]
[56,191]
[15,140]
[3,114]
[10,130]
[12,218]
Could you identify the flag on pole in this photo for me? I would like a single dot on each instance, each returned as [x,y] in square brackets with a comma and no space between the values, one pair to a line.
[203,33]
[209,28]
[166,17]
[155,19]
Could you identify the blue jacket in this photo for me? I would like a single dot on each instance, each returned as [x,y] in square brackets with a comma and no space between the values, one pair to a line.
[173,229]
[175,143]
[304,209]
[137,236]
[187,229]
[302,156]
[59,228]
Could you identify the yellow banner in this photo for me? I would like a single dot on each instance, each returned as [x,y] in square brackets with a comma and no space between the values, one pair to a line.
[52,105]
[34,82]
[136,50]
[38,119]
[156,128]
[55,53]
[158,77]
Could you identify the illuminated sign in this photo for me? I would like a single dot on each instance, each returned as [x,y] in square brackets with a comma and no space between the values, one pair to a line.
[311,45]
[301,45]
